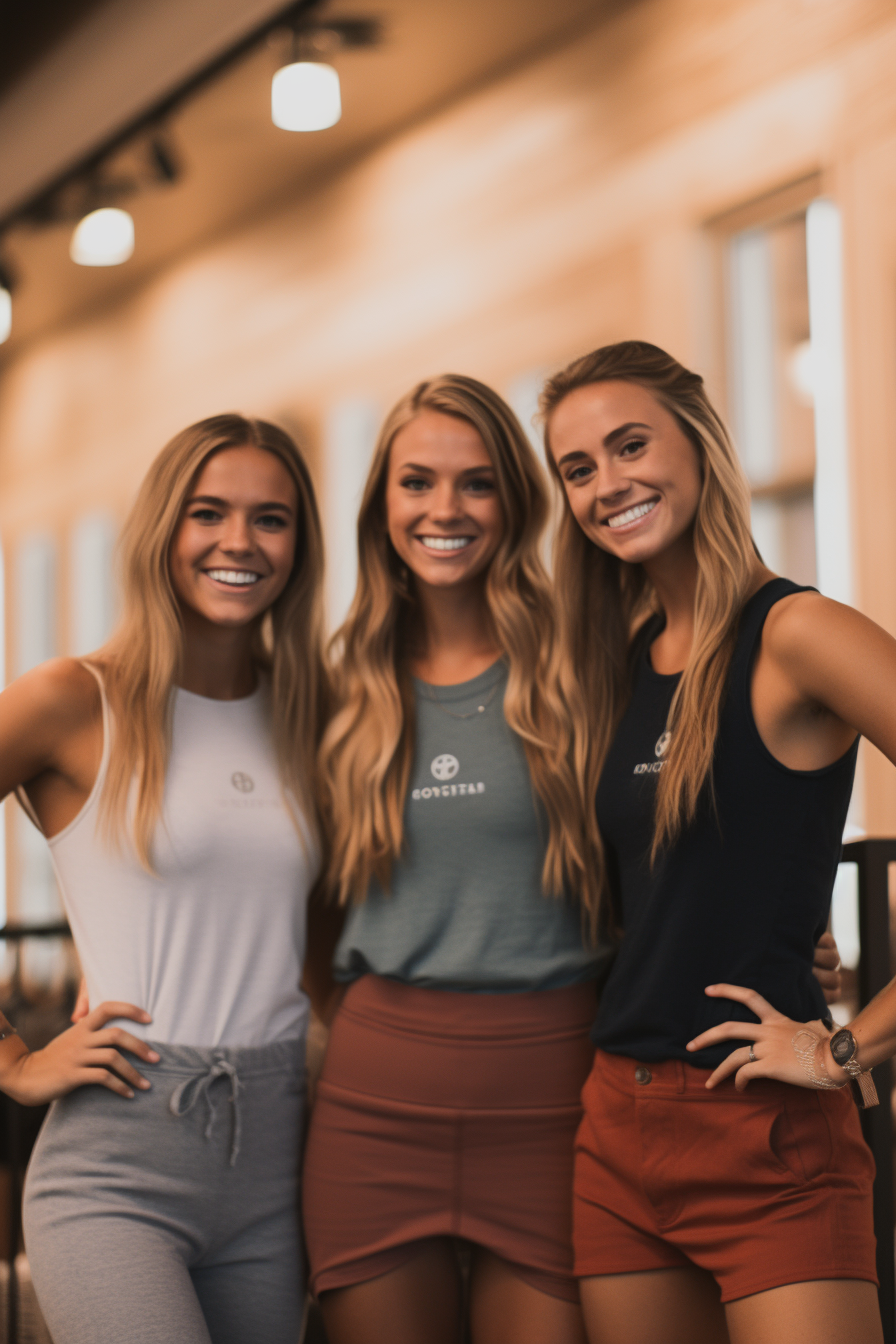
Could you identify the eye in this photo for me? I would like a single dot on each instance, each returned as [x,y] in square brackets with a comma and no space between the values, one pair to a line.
[414,483]
[272,522]
[205,515]
[480,485]
[578,474]
[632,446]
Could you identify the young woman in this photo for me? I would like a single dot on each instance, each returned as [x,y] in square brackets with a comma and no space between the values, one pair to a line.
[724,706]
[173,775]
[450,1093]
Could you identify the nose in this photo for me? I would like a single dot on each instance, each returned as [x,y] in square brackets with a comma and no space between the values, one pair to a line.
[612,480]
[237,538]
[445,504]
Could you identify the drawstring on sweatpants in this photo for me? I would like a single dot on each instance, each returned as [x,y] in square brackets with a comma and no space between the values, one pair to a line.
[186,1094]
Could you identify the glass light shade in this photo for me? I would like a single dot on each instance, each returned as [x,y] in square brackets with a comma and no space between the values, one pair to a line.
[5,315]
[305,97]
[103,238]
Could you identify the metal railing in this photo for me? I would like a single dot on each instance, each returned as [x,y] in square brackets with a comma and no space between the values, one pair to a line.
[873,858]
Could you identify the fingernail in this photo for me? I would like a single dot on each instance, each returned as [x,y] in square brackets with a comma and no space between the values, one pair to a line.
[145,1085]
[129,1094]
[153,1057]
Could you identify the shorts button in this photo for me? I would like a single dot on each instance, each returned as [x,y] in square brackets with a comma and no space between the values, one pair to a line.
[642,1075]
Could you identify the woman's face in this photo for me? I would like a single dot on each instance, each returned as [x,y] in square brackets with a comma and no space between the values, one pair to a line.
[443,514]
[233,549]
[631,474]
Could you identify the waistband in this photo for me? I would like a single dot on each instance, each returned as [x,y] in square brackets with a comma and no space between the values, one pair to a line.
[452,1014]
[672,1077]
[249,1061]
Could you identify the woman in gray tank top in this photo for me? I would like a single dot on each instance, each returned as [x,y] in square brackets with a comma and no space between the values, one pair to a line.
[446,1110]
[173,775]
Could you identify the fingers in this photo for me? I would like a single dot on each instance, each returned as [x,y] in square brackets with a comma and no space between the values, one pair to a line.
[113,1060]
[82,1002]
[827,954]
[748,997]
[730,1065]
[123,1040]
[725,1031]
[107,1079]
[107,1011]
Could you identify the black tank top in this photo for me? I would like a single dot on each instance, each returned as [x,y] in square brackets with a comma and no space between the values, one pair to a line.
[744,893]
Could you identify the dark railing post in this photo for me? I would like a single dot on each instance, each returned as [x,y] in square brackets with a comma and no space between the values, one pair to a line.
[873,858]
[15,1156]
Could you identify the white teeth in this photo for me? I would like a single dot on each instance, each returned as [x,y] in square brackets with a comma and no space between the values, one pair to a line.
[446,543]
[630,515]
[235,577]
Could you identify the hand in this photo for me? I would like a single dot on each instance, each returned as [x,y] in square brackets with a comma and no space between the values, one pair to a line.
[86,1053]
[772,1038]
[826,968]
[82,1002]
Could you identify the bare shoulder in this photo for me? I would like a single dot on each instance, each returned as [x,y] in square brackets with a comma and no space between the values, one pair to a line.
[61,694]
[818,643]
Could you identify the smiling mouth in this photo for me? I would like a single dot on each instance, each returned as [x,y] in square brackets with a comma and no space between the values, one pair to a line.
[234,578]
[445,543]
[632,515]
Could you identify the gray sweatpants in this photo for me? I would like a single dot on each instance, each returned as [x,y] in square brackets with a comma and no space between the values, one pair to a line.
[173,1218]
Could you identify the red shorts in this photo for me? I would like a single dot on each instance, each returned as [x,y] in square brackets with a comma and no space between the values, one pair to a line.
[762,1188]
[447,1114]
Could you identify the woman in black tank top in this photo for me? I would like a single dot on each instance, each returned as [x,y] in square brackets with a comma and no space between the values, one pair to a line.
[721,708]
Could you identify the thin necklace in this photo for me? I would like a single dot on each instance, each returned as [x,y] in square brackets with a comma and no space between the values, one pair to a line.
[480,709]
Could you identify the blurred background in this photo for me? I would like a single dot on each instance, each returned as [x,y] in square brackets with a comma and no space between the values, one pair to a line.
[504,185]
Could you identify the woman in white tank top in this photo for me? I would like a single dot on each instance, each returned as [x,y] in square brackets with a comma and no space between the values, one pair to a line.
[173,776]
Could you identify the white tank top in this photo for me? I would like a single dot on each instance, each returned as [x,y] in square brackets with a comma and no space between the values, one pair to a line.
[212,947]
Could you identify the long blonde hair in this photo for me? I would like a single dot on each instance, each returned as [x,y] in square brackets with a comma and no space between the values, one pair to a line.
[141,661]
[601,600]
[368,748]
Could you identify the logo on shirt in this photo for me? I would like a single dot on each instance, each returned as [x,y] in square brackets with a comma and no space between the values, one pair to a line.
[445,766]
[242,782]
[654,767]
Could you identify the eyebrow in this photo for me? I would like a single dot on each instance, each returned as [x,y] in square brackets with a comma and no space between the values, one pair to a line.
[430,471]
[608,441]
[224,504]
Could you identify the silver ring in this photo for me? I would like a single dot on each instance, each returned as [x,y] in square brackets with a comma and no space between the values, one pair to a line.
[752,1053]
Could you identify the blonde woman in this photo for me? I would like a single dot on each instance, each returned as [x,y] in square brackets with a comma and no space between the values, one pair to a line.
[173,775]
[449,1098]
[723,708]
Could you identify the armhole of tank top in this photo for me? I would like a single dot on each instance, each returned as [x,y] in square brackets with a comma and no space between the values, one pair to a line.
[744,674]
[98,782]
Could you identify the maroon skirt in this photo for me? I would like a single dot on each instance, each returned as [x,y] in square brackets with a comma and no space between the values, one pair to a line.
[446,1114]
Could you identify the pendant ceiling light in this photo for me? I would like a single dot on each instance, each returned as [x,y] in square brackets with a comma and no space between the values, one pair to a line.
[103,238]
[305,96]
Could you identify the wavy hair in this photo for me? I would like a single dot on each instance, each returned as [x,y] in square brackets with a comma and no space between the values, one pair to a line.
[141,661]
[368,747]
[601,600]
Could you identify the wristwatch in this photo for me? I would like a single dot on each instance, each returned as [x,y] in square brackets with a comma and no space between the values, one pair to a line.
[844,1048]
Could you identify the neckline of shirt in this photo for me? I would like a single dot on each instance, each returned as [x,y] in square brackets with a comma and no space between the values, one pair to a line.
[461,690]
[213,700]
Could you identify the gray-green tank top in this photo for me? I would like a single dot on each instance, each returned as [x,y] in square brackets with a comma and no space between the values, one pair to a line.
[465,910]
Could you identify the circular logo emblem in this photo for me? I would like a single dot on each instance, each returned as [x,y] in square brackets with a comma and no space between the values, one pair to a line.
[445,767]
[662,744]
[244,783]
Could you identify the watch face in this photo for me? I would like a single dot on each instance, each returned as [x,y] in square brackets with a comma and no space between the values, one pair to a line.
[843,1046]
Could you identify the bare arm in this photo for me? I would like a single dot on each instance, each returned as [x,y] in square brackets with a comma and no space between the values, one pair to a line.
[825,673]
[51,744]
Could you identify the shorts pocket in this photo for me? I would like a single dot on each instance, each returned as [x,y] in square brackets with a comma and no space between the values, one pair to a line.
[800,1136]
